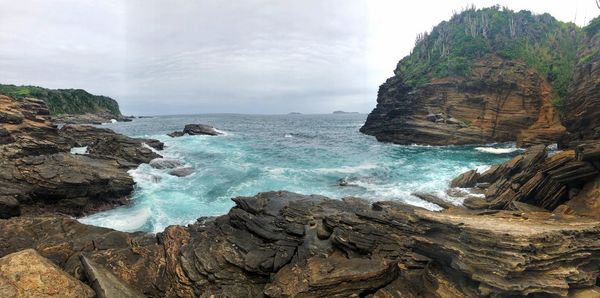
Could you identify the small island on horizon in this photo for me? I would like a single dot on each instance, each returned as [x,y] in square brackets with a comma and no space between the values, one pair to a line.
[344,112]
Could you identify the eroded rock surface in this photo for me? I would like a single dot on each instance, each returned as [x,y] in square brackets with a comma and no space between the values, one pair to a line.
[563,182]
[281,244]
[39,175]
[26,274]
[502,100]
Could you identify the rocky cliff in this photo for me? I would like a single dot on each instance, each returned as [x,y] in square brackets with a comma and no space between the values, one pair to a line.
[502,100]
[582,106]
[64,102]
[40,175]
[489,75]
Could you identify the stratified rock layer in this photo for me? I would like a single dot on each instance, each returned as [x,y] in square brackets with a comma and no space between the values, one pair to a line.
[564,182]
[582,106]
[502,100]
[281,244]
[39,175]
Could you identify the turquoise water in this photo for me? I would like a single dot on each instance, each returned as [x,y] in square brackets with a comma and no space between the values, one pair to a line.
[307,154]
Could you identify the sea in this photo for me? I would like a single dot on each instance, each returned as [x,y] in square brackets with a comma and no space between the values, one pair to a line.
[306,154]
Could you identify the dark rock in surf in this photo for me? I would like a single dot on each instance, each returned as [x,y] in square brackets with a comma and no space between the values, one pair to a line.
[196,129]
[165,163]
[182,172]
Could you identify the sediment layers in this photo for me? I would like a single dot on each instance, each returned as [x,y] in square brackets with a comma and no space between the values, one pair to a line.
[40,175]
[502,100]
[281,244]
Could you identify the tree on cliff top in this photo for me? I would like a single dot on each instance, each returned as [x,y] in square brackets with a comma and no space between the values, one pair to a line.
[541,41]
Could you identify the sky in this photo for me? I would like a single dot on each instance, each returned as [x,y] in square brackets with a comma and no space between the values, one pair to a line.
[251,56]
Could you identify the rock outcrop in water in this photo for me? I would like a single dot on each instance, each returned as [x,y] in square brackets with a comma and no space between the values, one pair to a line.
[502,100]
[39,175]
[195,129]
[493,75]
[281,244]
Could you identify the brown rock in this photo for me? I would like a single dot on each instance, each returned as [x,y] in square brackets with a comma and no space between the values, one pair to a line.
[27,274]
[502,100]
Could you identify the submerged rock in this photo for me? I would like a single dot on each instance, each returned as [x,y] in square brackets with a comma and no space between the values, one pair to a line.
[27,274]
[165,163]
[182,172]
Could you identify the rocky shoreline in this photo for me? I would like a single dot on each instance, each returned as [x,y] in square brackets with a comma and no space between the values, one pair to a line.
[530,229]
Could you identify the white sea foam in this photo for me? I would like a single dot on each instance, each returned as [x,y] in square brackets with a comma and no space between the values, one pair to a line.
[287,135]
[494,150]
[79,150]
[120,219]
[113,120]
[222,132]
[347,169]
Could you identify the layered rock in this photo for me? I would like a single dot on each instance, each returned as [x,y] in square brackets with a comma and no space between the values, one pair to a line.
[105,142]
[566,182]
[281,244]
[582,106]
[39,175]
[501,100]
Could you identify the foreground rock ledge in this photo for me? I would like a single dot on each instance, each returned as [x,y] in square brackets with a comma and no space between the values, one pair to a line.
[282,244]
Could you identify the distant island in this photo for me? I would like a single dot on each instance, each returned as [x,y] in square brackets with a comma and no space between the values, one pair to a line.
[294,113]
[342,112]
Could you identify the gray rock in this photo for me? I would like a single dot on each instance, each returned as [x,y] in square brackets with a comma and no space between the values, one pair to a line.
[165,163]
[106,284]
[182,172]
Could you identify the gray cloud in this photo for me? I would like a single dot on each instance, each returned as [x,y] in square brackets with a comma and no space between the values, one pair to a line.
[183,56]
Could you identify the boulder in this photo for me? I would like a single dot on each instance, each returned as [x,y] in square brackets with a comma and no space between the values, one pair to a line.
[165,163]
[182,171]
[27,274]
[196,129]
[106,284]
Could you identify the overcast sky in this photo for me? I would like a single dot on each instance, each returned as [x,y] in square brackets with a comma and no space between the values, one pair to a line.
[251,56]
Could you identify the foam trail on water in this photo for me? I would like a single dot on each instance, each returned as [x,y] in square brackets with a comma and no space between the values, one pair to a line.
[493,150]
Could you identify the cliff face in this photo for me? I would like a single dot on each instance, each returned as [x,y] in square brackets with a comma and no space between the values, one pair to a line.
[39,175]
[66,101]
[485,76]
[502,100]
[582,107]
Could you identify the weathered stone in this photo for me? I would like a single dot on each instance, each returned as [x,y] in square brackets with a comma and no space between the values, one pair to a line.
[501,100]
[27,274]
[105,283]
[284,244]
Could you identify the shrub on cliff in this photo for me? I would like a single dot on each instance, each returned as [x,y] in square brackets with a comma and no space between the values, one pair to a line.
[65,101]
[544,43]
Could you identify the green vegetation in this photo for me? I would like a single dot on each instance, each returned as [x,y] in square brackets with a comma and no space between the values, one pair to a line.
[64,101]
[541,41]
